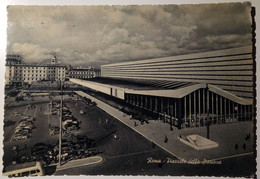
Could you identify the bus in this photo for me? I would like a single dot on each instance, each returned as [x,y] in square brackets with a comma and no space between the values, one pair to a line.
[25,169]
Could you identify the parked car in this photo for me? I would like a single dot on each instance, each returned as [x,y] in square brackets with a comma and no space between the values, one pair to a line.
[20,137]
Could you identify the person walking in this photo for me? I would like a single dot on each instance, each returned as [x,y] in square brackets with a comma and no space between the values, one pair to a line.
[165,139]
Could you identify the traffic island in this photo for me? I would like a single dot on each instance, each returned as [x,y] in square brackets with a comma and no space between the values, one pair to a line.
[198,142]
[80,163]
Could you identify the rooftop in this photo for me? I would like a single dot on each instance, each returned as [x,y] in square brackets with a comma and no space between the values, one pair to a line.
[141,84]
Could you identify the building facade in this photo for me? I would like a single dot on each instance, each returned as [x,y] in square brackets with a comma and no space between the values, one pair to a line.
[18,73]
[83,73]
[185,91]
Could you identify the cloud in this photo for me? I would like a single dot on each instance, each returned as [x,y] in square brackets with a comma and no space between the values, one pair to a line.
[34,53]
[95,35]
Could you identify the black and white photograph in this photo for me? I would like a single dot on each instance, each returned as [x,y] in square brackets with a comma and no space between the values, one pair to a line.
[130,90]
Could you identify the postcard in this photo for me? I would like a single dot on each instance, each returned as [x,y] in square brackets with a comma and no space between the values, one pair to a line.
[130,90]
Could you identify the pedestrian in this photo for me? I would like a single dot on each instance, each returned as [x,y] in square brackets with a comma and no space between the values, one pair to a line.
[165,139]
[135,124]
[115,137]
[171,129]
[180,136]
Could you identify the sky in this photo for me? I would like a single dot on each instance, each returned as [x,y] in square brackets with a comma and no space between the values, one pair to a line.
[97,35]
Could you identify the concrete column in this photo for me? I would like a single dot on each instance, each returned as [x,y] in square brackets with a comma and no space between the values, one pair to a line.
[233,105]
[175,108]
[250,111]
[245,111]
[168,106]
[151,103]
[179,116]
[195,109]
[225,108]
[204,101]
[241,111]
[217,108]
[229,110]
[171,107]
[156,103]
[212,104]
[221,108]
[185,109]
[146,102]
[162,105]
[199,106]
[207,110]
[190,107]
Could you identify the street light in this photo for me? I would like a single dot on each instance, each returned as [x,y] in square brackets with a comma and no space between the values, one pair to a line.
[60,136]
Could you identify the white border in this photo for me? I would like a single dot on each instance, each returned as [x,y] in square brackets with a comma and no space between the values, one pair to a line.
[3,20]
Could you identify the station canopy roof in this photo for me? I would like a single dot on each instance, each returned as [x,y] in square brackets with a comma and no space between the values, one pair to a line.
[172,89]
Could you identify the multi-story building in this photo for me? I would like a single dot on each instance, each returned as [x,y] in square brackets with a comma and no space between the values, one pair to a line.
[18,73]
[187,90]
[83,73]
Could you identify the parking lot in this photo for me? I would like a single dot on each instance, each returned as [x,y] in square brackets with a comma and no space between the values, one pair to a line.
[94,123]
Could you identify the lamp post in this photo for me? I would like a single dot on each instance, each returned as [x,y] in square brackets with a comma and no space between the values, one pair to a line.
[60,136]
[208,123]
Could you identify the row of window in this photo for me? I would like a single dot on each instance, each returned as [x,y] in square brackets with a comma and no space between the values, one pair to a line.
[62,68]
[83,77]
[33,71]
[28,79]
[82,72]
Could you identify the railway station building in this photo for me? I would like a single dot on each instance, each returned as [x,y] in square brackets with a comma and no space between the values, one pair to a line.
[185,91]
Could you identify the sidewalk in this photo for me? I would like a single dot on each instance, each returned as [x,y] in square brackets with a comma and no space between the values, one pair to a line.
[226,135]
[80,162]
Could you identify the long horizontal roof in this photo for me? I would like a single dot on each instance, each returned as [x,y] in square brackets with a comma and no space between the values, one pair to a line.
[100,84]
